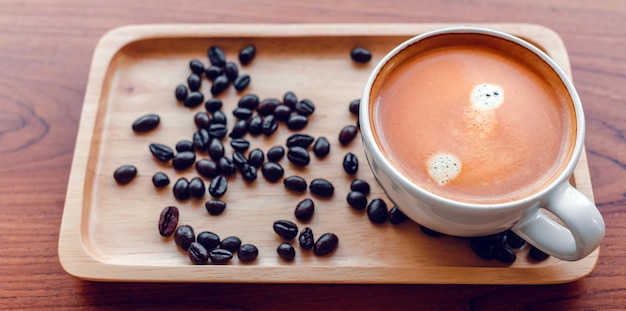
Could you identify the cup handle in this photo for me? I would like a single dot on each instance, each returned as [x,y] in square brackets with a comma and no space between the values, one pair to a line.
[583,230]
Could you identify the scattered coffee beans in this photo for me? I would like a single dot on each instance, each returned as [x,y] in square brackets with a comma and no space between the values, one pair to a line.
[218,186]
[226,166]
[231,243]
[297,122]
[246,54]
[231,70]
[267,106]
[360,55]
[305,107]
[321,187]
[325,244]
[285,229]
[202,120]
[242,82]
[215,207]
[193,99]
[282,112]
[248,172]
[163,153]
[160,180]
[240,144]
[255,125]
[377,211]
[217,130]
[298,156]
[249,101]
[196,188]
[181,189]
[146,123]
[295,183]
[357,200]
[184,236]
[290,100]
[504,254]
[217,56]
[256,157]
[220,256]
[272,171]
[220,84]
[219,117]
[306,239]
[216,149]
[247,252]
[242,113]
[180,92]
[184,145]
[168,220]
[239,129]
[275,153]
[183,160]
[360,185]
[198,254]
[286,251]
[347,134]
[125,174]
[354,106]
[207,168]
[350,163]
[537,255]
[213,104]
[201,139]
[212,72]
[321,148]
[304,210]
[300,140]
[396,216]
[269,125]
[194,82]
[196,66]
[208,239]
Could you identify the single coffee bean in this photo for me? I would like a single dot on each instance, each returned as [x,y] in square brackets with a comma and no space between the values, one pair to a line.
[246,54]
[218,186]
[240,144]
[350,163]
[297,122]
[282,112]
[184,145]
[267,106]
[298,156]
[272,171]
[217,57]
[183,160]
[207,168]
[193,99]
[269,125]
[321,187]
[255,125]
[125,174]
[256,157]
[494,239]
[168,221]
[208,239]
[360,185]
[503,253]
[430,232]
[212,72]
[537,255]
[218,130]
[247,252]
[216,149]
[180,92]
[377,211]
[213,105]
[215,207]
[201,139]
[514,241]
[196,188]
[181,189]
[306,239]
[146,123]
[220,84]
[354,106]
[231,70]
[231,243]
[242,113]
[248,172]
[202,120]
[239,159]
[226,166]
[248,101]
[194,82]
[184,236]
[299,139]
[481,248]
[304,210]
[396,216]
[239,129]
[285,229]
[163,153]
[275,153]
[290,100]
[305,107]
[196,66]
[286,251]
[160,180]
[356,200]
[218,116]
[220,256]
[360,55]
[198,254]
[347,134]
[295,183]
[242,82]
[325,244]
[321,148]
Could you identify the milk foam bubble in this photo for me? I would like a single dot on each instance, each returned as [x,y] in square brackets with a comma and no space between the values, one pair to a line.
[443,167]
[487,96]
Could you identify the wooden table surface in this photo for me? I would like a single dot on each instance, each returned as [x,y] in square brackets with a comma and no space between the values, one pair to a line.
[45,54]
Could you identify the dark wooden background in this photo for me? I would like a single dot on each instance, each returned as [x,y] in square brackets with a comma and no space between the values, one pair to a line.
[45,53]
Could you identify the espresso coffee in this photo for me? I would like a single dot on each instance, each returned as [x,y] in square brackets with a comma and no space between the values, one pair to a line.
[473,118]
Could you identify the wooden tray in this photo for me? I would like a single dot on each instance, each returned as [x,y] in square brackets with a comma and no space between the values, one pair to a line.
[109,232]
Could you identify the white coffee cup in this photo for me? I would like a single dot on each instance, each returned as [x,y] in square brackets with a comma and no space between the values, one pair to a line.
[581,227]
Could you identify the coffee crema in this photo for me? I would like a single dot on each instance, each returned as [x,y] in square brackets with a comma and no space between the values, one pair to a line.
[473,118]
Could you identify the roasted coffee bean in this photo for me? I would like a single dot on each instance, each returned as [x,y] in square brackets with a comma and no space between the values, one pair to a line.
[247,252]
[299,139]
[430,232]
[231,70]
[125,174]
[207,168]
[180,92]
[218,130]
[240,144]
[196,188]
[215,207]
[241,82]
[305,107]
[286,251]
[198,254]
[350,163]
[220,256]
[377,211]
[298,156]
[163,153]
[306,239]
[218,186]
[212,72]
[184,236]
[201,139]
[181,189]
[216,56]
[239,159]
[231,243]
[256,157]
[482,248]
[242,113]
[146,123]
[297,122]
[347,134]
[304,210]
[239,129]
[396,216]
[282,112]
[255,125]
[326,244]
[360,55]
[356,200]
[514,241]
[290,100]
[275,153]
[246,54]
[168,221]
[354,106]
[160,180]
[226,166]
[219,117]
[183,160]
[321,187]
[216,149]
[196,66]
[285,229]
[193,99]
[213,105]
[272,171]
[267,106]
[248,101]
[269,125]
[295,183]
[202,120]
[503,253]
[537,255]
[208,239]
[321,148]
[248,172]
[360,185]
[220,84]
[194,81]
[184,145]
[494,239]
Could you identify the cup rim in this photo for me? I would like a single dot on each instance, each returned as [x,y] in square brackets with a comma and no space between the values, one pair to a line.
[374,149]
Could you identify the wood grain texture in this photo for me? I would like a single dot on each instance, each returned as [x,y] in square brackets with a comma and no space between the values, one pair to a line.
[45,53]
